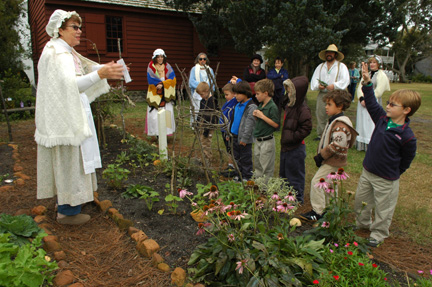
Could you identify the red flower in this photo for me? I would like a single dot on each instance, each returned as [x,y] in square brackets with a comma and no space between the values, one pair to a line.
[350,253]
[361,264]
[345,258]
[374,265]
[355,244]
[385,278]
[336,277]
[315,282]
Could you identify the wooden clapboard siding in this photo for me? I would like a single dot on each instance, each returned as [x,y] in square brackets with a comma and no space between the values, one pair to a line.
[144,30]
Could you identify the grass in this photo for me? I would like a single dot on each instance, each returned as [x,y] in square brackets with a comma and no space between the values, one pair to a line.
[414,208]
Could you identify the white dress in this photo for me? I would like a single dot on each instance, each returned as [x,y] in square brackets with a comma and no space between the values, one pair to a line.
[364,124]
[68,171]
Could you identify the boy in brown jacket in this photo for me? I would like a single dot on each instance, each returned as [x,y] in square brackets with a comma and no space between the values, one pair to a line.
[338,136]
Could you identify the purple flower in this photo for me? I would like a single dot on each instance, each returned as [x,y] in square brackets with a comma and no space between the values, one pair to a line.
[184,192]
[325,224]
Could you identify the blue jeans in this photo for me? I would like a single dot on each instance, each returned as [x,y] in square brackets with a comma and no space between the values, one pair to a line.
[292,169]
[69,210]
[352,90]
[243,158]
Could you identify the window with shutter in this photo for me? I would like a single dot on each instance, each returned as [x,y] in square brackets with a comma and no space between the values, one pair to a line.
[95,33]
[114,32]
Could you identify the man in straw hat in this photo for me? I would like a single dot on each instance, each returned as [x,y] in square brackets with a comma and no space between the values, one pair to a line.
[328,76]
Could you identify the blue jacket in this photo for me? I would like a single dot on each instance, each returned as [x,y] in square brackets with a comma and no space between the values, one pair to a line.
[228,111]
[247,123]
[278,78]
[390,152]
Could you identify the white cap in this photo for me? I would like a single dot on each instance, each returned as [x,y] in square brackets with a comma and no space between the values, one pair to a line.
[158,52]
[56,20]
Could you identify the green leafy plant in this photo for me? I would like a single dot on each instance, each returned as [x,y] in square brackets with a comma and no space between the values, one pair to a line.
[115,175]
[3,177]
[122,158]
[21,227]
[147,193]
[348,266]
[171,202]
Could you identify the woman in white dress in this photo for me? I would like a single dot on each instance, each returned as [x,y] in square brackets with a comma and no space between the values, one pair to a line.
[161,92]
[68,150]
[364,123]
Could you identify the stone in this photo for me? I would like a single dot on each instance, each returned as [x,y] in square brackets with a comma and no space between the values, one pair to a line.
[17,167]
[40,218]
[51,246]
[46,227]
[13,146]
[132,230]
[21,175]
[62,264]
[39,210]
[112,211]
[124,224]
[6,188]
[156,259]
[163,267]
[178,276]
[25,211]
[139,236]
[59,255]
[199,285]
[50,238]
[76,285]
[105,204]
[20,182]
[64,278]
[147,247]
[95,194]
[295,222]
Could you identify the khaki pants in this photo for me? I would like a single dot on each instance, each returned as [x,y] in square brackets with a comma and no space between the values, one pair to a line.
[264,158]
[317,195]
[321,114]
[378,193]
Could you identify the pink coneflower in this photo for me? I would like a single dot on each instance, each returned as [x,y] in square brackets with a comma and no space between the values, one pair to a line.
[201,227]
[223,222]
[184,192]
[284,207]
[239,215]
[322,184]
[231,205]
[325,224]
[332,175]
[194,204]
[275,196]
[231,214]
[231,237]
[212,194]
[329,190]
[240,265]
[341,174]
[290,196]
[259,204]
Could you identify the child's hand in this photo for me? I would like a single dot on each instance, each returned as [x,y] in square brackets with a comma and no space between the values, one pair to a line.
[258,113]
[242,143]
[365,72]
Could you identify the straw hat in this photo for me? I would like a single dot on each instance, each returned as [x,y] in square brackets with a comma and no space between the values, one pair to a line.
[331,48]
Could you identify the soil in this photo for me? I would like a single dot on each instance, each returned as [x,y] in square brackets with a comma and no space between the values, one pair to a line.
[101,255]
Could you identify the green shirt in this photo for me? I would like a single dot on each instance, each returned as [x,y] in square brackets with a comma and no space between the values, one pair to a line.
[391,124]
[262,129]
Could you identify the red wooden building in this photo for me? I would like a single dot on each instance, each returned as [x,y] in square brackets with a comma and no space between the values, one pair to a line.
[143,26]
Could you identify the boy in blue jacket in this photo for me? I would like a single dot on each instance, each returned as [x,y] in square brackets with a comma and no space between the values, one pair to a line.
[390,153]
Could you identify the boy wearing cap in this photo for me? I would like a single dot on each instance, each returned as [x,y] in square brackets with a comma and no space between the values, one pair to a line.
[330,75]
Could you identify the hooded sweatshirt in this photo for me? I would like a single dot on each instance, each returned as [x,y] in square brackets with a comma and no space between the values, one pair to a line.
[297,124]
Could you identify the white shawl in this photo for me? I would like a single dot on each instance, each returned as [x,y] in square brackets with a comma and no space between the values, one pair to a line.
[60,117]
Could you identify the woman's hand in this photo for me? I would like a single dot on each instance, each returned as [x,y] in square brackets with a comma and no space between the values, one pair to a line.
[159,86]
[365,72]
[363,104]
[111,70]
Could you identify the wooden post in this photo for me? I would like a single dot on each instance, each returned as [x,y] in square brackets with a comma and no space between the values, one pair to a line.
[5,112]
[162,133]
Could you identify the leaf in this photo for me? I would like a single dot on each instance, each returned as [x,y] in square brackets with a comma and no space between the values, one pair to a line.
[194,258]
[220,262]
[259,246]
[20,225]
[161,211]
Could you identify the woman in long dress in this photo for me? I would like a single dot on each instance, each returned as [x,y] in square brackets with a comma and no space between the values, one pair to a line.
[364,123]
[161,92]
[197,75]
[68,150]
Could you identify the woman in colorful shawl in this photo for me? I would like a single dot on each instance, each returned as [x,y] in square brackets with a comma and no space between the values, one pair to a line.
[161,93]
[67,145]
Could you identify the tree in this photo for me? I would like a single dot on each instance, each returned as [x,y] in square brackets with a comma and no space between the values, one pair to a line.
[294,29]
[10,45]
[413,41]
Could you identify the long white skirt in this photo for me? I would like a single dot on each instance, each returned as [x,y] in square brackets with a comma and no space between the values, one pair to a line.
[151,127]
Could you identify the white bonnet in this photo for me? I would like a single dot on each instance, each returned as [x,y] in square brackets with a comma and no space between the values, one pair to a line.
[56,20]
[158,52]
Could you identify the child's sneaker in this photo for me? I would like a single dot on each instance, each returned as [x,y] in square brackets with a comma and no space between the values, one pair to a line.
[372,242]
[311,216]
